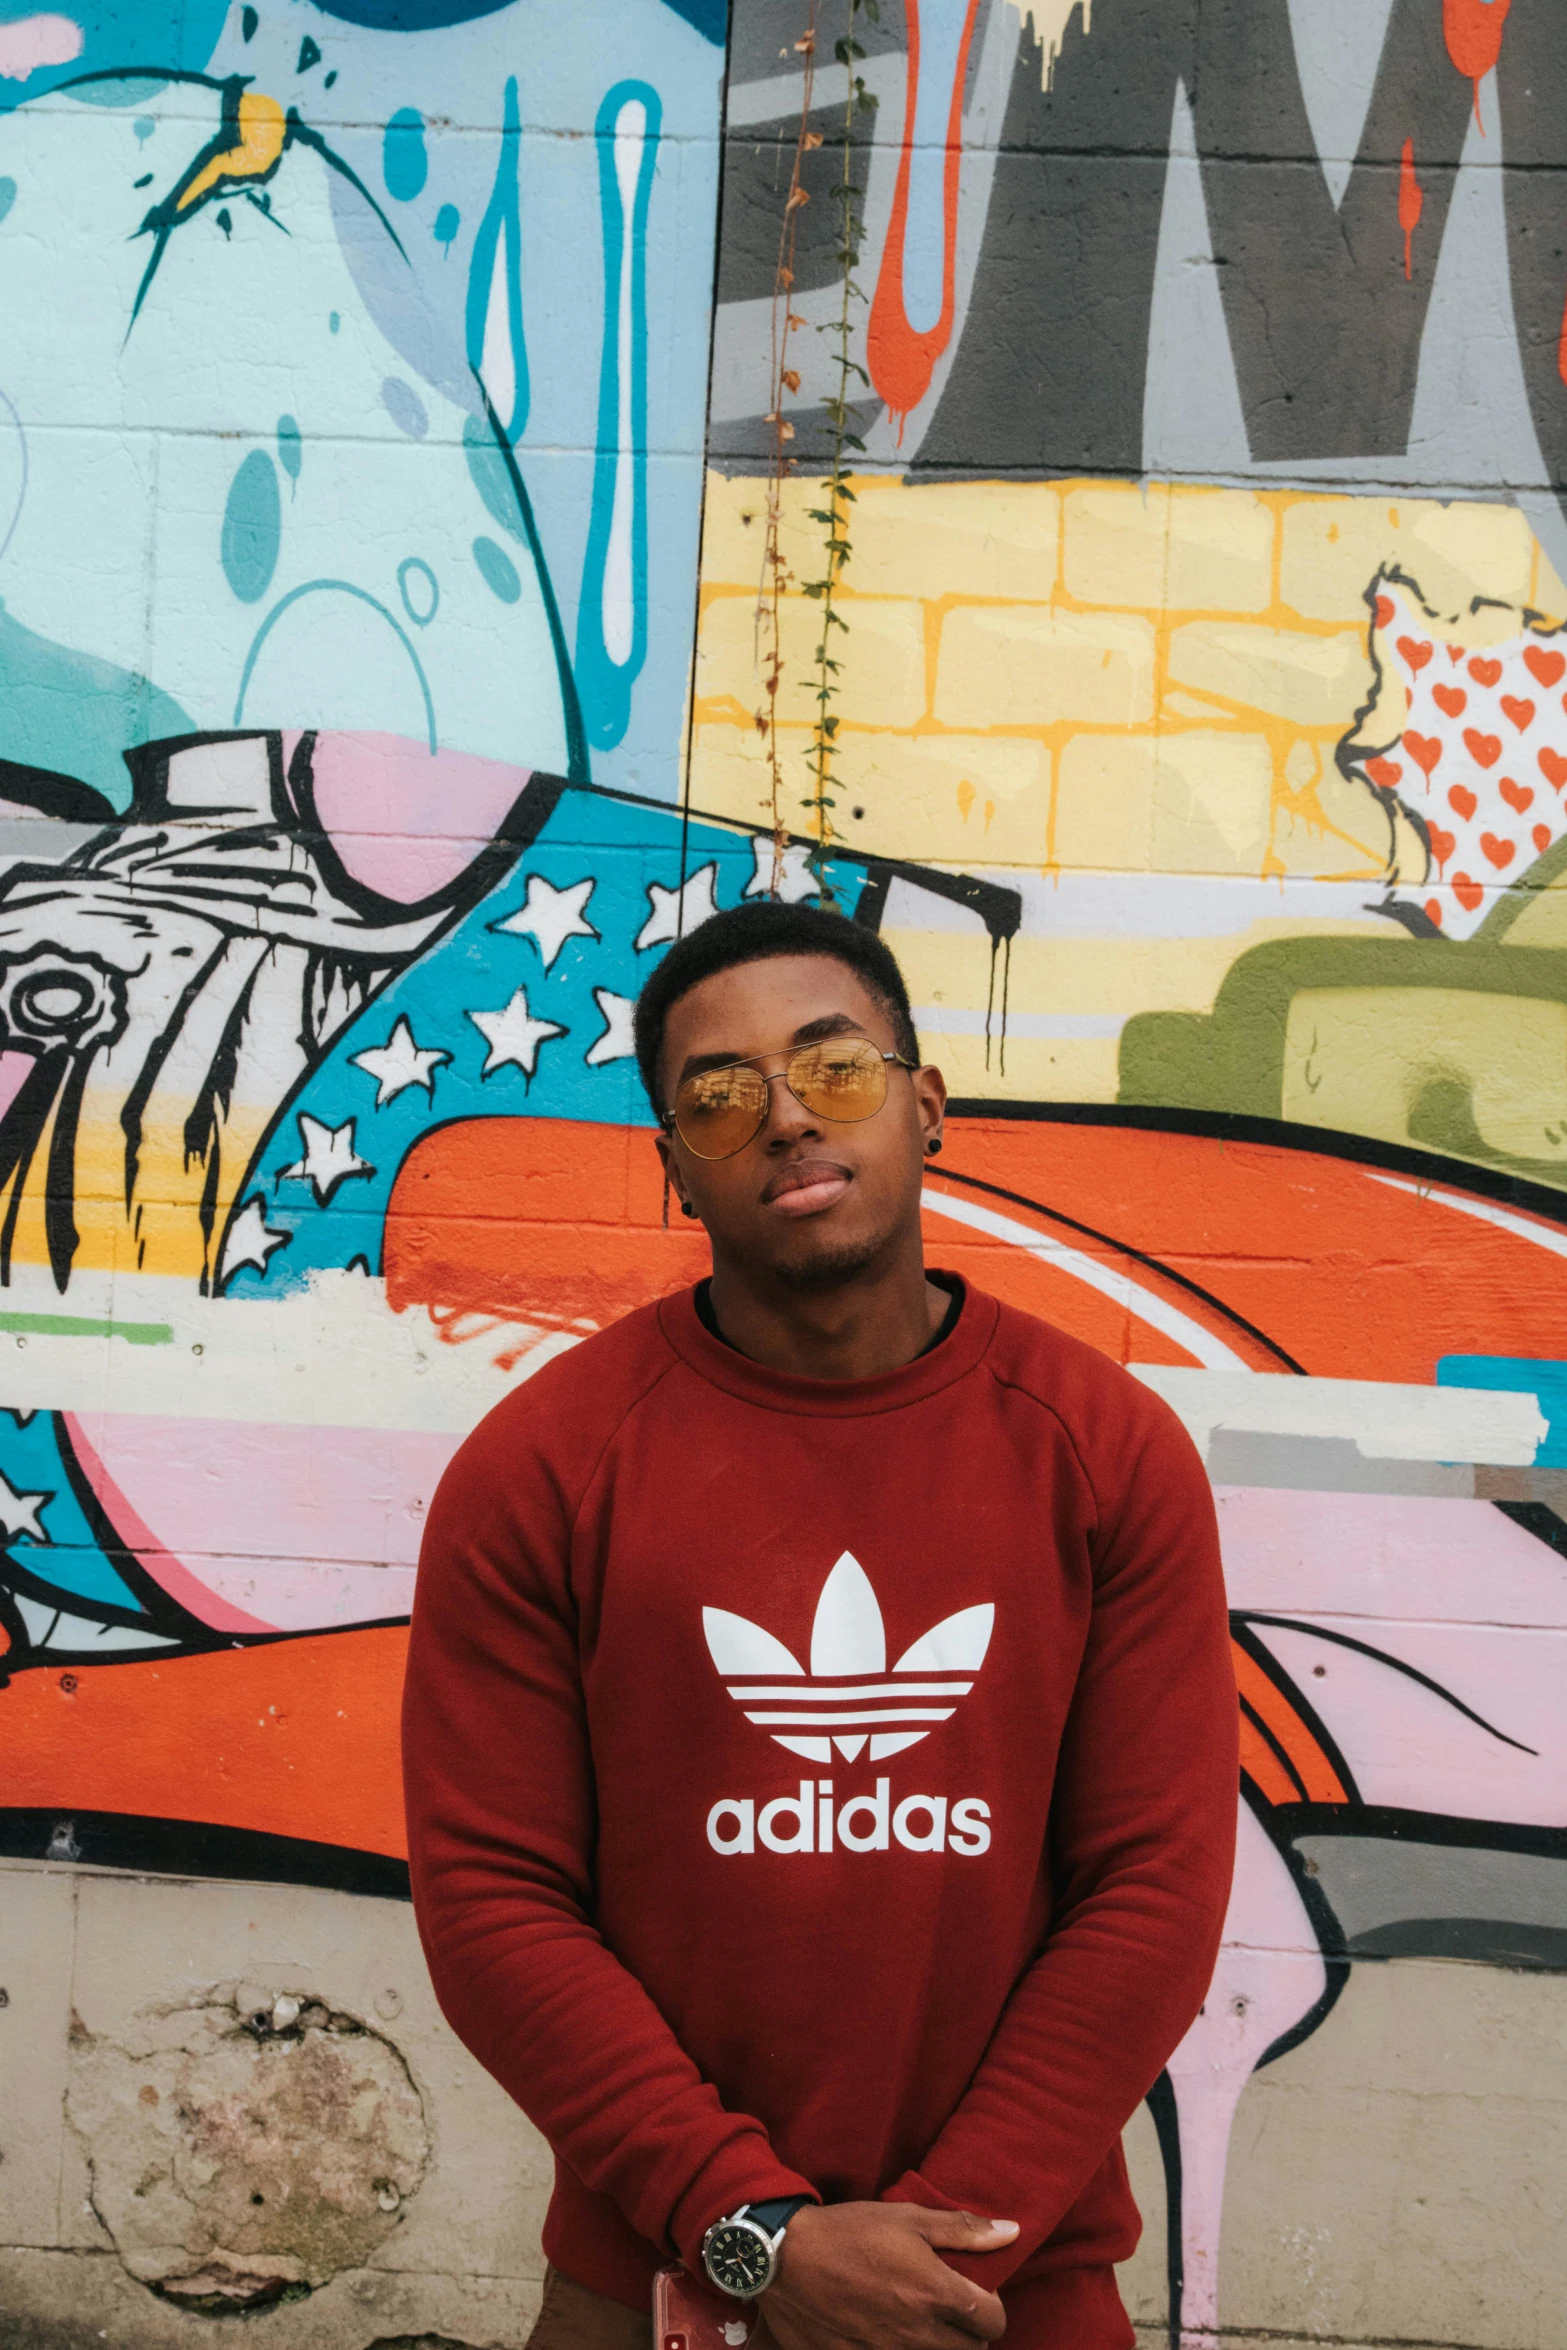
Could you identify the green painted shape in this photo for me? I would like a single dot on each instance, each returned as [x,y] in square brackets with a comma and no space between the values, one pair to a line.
[1232,1059]
[84,1326]
[75,715]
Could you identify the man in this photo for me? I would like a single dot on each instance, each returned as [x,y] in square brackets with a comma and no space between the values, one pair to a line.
[820,1738]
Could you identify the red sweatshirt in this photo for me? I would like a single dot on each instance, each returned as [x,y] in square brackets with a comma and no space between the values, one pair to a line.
[826,1786]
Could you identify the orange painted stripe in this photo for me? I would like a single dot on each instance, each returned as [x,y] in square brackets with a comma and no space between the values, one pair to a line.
[293,1738]
[1304,1749]
[1262,1766]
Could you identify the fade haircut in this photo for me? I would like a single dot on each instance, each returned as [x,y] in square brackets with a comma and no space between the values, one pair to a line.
[757,933]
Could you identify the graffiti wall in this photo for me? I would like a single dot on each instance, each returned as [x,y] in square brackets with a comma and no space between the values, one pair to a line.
[483,486]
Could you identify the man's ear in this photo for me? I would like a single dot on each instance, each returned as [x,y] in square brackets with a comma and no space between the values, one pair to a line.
[930,1098]
[671,1171]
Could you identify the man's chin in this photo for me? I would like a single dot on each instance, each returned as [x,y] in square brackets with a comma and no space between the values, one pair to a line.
[825,1261]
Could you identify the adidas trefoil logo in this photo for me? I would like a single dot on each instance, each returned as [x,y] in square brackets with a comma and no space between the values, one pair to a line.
[848,1697]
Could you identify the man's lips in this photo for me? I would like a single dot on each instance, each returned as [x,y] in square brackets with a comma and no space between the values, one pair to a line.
[806,1187]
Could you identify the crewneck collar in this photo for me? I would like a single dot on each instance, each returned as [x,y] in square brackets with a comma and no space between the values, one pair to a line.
[837,1399]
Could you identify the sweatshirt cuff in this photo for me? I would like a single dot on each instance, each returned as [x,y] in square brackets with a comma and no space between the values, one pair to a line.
[721,2188]
[990,2269]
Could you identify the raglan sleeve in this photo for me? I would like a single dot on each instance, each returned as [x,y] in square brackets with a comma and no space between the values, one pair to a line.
[1142,1838]
[500,1808]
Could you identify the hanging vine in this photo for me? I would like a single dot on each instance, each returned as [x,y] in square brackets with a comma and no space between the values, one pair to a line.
[833,515]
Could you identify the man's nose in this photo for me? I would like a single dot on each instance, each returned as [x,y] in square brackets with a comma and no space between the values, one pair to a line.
[787,1116]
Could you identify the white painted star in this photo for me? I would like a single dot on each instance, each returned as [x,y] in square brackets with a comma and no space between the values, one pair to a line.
[677,912]
[796,881]
[616,1043]
[19,1512]
[513,1035]
[399,1063]
[251,1240]
[328,1157]
[551,916]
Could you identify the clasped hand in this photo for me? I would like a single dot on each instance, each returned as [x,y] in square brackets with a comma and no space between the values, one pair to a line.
[866,2276]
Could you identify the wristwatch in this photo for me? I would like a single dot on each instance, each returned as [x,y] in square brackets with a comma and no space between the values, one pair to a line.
[740,2253]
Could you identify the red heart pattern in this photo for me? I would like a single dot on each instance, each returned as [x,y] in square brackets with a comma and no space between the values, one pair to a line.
[1485,826]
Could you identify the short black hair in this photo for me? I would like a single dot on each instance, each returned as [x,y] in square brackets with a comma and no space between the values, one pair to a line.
[756,933]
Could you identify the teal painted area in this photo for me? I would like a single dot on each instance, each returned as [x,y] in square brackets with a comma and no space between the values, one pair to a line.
[405,164]
[1517,1374]
[252,528]
[500,572]
[289,454]
[447,222]
[7,196]
[133,37]
[70,1558]
[611,643]
[67,712]
[495,286]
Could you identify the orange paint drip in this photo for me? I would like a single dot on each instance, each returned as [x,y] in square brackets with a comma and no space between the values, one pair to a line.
[901,357]
[1411,203]
[1561,348]
[1472,30]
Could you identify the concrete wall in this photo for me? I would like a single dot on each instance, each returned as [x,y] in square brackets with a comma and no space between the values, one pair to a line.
[389,429]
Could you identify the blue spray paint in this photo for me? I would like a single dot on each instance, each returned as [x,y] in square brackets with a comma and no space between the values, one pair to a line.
[496,351]
[612,621]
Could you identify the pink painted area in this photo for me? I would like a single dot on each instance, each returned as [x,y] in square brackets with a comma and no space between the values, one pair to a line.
[287,1528]
[15,1069]
[407,821]
[193,1591]
[35,41]
[1386,1555]
[1270,1974]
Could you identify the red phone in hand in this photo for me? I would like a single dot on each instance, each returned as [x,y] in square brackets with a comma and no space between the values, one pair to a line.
[691,2314]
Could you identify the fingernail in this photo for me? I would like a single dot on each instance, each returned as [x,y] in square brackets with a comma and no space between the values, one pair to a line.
[1009,2224]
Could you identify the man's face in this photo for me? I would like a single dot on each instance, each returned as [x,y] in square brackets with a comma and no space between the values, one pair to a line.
[811,1200]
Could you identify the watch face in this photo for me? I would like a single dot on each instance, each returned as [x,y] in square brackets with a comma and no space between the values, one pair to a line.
[739,2258]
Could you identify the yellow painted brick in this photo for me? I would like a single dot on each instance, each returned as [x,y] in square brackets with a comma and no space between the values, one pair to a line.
[1332,828]
[734,530]
[943,799]
[947,799]
[1212,802]
[1312,680]
[1114,544]
[881,651]
[1105,802]
[1334,547]
[1221,552]
[1011,666]
[972,538]
[1169,549]
[1468,549]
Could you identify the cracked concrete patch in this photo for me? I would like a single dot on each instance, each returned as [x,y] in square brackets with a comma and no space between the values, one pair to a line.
[244,2148]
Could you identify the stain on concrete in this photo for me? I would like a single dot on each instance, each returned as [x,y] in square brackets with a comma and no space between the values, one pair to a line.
[244,2148]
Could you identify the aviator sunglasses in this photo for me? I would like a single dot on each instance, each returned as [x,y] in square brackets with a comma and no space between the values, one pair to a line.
[718,1111]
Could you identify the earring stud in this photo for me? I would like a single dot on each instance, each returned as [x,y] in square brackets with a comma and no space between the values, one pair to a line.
[933,1146]
[686,1209]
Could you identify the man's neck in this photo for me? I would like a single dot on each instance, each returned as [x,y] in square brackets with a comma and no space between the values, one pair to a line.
[874,1322]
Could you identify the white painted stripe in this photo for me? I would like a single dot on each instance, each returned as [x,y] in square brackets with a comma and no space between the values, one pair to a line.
[906,1713]
[1388,1421]
[1484,1211]
[1094,1273]
[830,1696]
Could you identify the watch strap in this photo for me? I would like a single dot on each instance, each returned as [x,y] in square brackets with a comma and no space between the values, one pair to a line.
[776,2214]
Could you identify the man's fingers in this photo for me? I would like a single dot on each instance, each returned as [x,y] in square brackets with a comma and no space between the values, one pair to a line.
[963,2231]
[980,2317]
